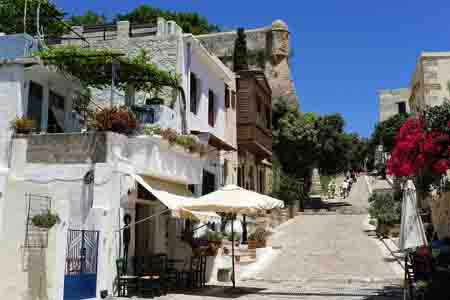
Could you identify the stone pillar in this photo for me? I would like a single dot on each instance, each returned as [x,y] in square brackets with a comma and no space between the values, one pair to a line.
[123,30]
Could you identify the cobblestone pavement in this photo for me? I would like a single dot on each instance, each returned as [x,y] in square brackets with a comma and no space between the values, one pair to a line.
[322,257]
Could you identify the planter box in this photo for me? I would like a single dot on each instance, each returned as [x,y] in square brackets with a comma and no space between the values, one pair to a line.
[223,275]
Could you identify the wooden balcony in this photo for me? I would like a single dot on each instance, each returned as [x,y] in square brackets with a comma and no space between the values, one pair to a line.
[255,139]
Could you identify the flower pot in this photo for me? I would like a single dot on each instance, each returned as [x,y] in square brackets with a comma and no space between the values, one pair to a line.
[252,244]
[261,244]
[24,131]
[223,275]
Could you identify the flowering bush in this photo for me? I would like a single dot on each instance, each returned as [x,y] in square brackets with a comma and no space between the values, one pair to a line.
[116,119]
[420,149]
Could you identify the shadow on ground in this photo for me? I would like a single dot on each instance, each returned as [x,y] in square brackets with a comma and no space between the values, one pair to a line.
[226,292]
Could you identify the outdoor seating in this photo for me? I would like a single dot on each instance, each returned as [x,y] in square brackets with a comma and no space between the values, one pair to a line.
[192,276]
[126,284]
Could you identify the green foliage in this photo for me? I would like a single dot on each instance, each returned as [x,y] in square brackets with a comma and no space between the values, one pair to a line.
[23,125]
[45,220]
[89,18]
[214,236]
[189,22]
[189,142]
[12,13]
[240,58]
[152,129]
[386,208]
[438,117]
[92,67]
[386,132]
[236,236]
[259,235]
[290,189]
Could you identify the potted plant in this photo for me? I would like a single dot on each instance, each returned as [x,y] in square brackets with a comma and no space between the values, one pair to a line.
[116,119]
[45,220]
[258,238]
[223,274]
[23,125]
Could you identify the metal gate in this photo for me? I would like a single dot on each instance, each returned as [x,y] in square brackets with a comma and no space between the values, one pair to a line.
[80,280]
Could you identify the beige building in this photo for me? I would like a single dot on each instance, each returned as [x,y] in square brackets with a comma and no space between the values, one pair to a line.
[430,82]
[393,102]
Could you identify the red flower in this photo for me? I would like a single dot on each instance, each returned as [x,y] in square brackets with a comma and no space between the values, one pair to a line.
[441,166]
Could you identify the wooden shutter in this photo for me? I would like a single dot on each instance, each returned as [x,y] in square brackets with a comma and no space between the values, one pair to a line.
[211,106]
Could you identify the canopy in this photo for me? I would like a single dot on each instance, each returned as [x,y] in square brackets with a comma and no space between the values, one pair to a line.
[412,233]
[234,199]
[175,202]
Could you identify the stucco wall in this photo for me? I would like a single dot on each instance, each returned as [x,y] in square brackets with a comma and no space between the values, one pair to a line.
[388,102]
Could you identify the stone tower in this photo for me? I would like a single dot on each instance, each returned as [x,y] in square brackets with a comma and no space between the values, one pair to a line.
[268,50]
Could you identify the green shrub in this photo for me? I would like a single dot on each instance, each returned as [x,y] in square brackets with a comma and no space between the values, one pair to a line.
[260,235]
[214,236]
[386,208]
[45,220]
[152,129]
[236,236]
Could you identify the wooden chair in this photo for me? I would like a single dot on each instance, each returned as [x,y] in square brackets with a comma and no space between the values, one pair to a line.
[125,283]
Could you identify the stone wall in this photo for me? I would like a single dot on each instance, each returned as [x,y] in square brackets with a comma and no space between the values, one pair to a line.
[388,102]
[268,50]
[66,148]
[440,214]
[162,50]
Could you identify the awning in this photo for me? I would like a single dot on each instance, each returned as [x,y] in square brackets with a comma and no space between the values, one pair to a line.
[175,202]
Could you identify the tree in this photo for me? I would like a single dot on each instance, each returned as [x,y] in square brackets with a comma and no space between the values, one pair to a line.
[189,22]
[386,132]
[89,18]
[240,52]
[12,17]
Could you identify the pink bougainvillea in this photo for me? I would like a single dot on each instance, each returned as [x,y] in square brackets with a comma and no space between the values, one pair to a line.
[418,149]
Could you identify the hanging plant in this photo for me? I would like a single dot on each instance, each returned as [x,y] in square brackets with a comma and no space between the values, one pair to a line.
[45,220]
[23,125]
[116,119]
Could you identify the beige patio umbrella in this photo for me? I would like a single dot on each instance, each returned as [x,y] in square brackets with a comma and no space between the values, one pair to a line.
[233,200]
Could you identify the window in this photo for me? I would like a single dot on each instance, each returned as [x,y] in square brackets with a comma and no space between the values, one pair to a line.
[209,183]
[194,93]
[227,97]
[233,99]
[35,104]
[191,188]
[240,179]
[225,172]
[261,181]
[211,107]
[401,107]
[268,118]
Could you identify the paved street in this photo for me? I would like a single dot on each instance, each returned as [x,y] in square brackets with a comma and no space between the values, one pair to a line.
[323,256]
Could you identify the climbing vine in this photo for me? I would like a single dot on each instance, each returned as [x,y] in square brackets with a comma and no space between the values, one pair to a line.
[94,68]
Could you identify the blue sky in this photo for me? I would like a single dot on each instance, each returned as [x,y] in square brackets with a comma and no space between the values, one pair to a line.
[344,51]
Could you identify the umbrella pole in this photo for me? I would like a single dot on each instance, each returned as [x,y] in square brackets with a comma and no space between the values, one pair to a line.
[233,279]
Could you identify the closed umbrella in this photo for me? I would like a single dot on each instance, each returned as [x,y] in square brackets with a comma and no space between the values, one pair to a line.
[412,233]
[233,200]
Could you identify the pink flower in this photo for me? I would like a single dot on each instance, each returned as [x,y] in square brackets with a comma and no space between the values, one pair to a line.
[441,166]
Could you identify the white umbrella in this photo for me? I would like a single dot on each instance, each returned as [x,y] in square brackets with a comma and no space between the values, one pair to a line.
[412,233]
[234,200]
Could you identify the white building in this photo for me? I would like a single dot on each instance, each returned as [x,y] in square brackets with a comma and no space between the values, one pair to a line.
[92,180]
[393,102]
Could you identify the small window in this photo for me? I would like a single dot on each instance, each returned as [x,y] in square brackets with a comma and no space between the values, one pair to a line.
[191,188]
[227,96]
[401,107]
[211,108]
[233,100]
[268,118]
[194,93]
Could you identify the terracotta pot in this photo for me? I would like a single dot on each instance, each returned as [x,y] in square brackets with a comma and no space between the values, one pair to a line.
[252,244]
[261,244]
